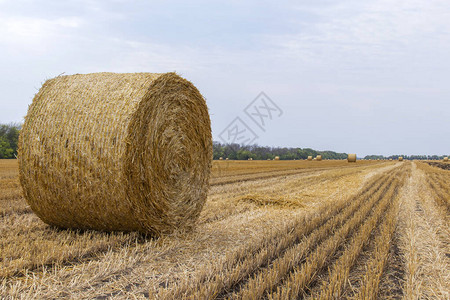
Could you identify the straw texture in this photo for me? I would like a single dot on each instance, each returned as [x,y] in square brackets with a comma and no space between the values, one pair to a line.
[310,157]
[105,151]
[351,157]
[319,157]
[400,158]
[277,158]
[446,158]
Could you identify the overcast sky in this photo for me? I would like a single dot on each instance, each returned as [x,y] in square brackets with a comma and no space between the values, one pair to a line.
[370,77]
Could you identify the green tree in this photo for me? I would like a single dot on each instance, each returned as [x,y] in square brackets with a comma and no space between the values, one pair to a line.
[9,139]
[5,149]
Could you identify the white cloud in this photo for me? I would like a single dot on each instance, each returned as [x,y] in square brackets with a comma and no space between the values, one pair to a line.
[30,31]
[373,31]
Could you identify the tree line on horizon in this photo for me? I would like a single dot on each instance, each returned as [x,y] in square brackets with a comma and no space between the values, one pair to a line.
[409,157]
[244,152]
[9,137]
[256,152]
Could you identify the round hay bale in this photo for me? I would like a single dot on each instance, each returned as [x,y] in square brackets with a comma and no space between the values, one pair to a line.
[446,159]
[277,158]
[310,157]
[221,158]
[250,158]
[106,151]
[400,158]
[227,158]
[351,158]
[319,157]
[390,159]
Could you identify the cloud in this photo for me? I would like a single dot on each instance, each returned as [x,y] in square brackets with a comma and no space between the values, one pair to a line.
[35,34]
[370,31]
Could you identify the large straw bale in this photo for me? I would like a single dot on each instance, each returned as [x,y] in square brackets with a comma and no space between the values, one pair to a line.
[319,157]
[277,158]
[105,151]
[400,158]
[446,158]
[310,157]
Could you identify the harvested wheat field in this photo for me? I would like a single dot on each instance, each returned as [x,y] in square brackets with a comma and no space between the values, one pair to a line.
[268,230]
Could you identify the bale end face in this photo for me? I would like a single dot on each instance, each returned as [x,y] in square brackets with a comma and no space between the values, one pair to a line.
[446,159]
[400,158]
[319,157]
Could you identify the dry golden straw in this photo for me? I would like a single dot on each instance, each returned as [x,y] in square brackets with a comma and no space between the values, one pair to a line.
[319,157]
[277,158]
[109,151]
[310,157]
[351,158]
[400,158]
[446,158]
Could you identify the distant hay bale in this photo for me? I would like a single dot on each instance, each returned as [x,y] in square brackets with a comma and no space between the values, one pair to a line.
[310,157]
[400,158]
[390,159]
[250,158]
[446,158]
[128,152]
[277,158]
[351,158]
[319,157]
[227,158]
[221,158]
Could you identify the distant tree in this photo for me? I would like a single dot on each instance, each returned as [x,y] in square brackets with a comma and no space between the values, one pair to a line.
[9,139]
[218,150]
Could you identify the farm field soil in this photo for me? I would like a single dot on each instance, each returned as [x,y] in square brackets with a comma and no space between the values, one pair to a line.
[269,230]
